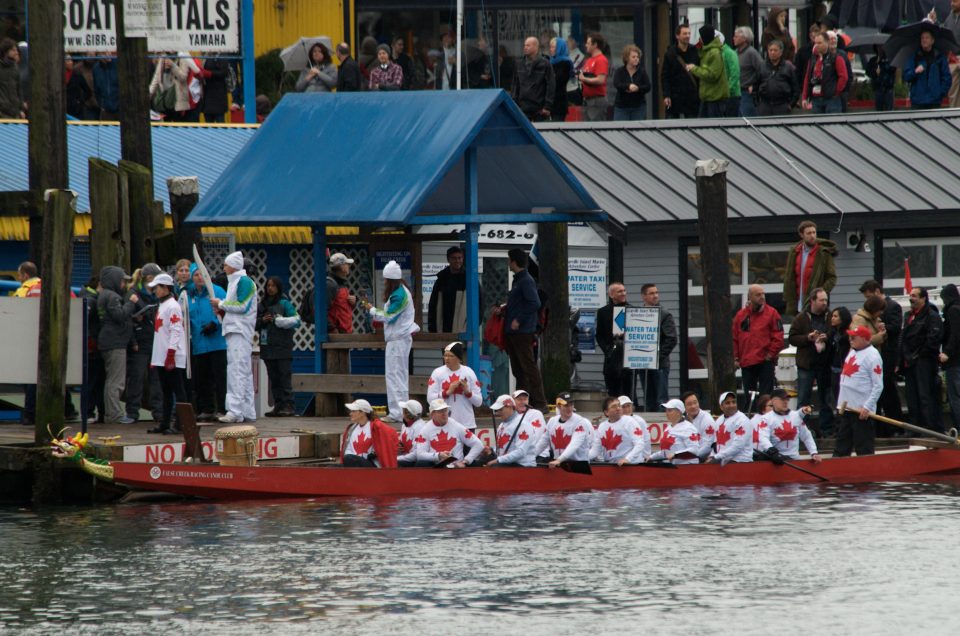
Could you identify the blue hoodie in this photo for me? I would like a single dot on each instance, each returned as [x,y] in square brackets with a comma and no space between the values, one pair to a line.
[201,313]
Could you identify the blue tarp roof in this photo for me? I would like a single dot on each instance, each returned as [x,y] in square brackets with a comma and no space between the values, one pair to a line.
[385,158]
[178,150]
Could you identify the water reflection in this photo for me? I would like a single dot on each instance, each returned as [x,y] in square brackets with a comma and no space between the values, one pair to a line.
[805,558]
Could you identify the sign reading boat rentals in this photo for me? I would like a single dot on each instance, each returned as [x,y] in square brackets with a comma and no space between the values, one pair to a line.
[202,26]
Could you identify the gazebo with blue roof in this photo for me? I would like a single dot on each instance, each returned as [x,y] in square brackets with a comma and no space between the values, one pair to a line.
[396,159]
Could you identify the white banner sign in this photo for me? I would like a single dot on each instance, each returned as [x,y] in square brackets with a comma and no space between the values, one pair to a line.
[641,338]
[267,448]
[429,279]
[587,282]
[202,26]
[20,340]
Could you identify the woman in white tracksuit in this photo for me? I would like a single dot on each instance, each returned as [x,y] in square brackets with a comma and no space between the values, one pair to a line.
[239,310]
[398,329]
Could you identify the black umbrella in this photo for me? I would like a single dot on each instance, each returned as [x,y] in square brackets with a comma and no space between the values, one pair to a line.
[864,42]
[905,41]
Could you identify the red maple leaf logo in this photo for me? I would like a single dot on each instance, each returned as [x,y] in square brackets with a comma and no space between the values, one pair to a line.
[579,429]
[406,444]
[174,319]
[611,441]
[468,434]
[878,370]
[431,382]
[536,423]
[638,432]
[523,435]
[362,444]
[453,379]
[443,443]
[478,384]
[560,439]
[709,429]
[850,366]
[723,435]
[667,441]
[157,323]
[786,431]
[503,440]
[756,435]
[695,437]
[420,439]
[740,431]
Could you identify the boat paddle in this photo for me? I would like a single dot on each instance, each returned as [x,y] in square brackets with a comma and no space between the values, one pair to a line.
[577,466]
[908,427]
[779,460]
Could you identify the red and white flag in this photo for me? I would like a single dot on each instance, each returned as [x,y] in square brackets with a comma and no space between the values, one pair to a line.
[907,283]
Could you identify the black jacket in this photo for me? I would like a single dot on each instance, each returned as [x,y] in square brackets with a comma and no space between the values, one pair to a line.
[668,337]
[446,286]
[348,77]
[561,75]
[892,318]
[622,81]
[921,335]
[677,83]
[778,84]
[951,325]
[78,92]
[215,87]
[535,87]
[611,346]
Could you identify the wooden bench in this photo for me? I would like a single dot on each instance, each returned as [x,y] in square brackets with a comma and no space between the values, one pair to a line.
[331,389]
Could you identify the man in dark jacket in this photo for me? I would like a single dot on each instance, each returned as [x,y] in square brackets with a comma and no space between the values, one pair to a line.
[950,356]
[535,87]
[892,317]
[919,353]
[11,101]
[139,370]
[447,310]
[681,95]
[116,331]
[619,381]
[809,266]
[522,314]
[778,88]
[656,386]
[215,90]
[808,333]
[348,76]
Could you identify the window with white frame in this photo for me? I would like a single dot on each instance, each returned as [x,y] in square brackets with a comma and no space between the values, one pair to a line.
[934,262]
[755,264]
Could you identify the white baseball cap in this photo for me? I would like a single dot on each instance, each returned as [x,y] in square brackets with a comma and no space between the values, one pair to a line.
[340,259]
[520,392]
[360,405]
[161,279]
[673,404]
[411,405]
[725,395]
[624,399]
[503,400]
[438,405]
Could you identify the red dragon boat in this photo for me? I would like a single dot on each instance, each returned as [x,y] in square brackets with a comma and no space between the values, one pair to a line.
[923,459]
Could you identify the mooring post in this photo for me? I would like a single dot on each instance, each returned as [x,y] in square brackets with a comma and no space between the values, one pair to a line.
[714,261]
[140,198]
[184,195]
[555,351]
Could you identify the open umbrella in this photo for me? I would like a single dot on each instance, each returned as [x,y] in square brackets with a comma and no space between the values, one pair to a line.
[864,42]
[295,56]
[904,42]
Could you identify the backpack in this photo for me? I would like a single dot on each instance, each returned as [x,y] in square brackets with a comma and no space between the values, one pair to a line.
[164,100]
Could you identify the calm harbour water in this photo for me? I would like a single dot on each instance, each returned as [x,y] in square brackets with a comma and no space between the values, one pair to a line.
[878,559]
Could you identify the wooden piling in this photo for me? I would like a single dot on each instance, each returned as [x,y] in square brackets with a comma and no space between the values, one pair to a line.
[47,136]
[140,198]
[110,234]
[555,343]
[54,312]
[184,195]
[715,263]
[132,68]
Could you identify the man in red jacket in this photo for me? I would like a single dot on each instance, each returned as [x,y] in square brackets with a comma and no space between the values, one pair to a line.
[757,341]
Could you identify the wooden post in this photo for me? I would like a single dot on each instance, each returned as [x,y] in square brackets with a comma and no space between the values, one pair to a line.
[715,263]
[54,312]
[140,198]
[555,343]
[109,234]
[135,141]
[48,128]
[184,194]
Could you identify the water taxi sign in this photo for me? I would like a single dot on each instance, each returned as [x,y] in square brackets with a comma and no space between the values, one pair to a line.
[641,338]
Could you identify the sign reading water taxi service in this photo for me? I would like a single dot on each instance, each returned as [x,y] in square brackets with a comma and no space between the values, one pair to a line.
[641,338]
[587,280]
[202,26]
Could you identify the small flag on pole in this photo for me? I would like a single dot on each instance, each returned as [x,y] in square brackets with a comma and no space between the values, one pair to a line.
[907,282]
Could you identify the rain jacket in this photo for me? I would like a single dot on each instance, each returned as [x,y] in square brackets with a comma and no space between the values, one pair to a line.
[712,73]
[932,85]
[116,325]
[820,272]
[201,315]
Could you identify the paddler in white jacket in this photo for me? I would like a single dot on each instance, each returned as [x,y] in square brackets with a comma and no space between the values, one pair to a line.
[861,382]
[398,329]
[239,310]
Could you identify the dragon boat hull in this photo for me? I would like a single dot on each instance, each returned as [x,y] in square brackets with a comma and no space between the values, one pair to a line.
[233,482]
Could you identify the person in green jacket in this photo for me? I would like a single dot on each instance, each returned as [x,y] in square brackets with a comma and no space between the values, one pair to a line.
[714,89]
[731,63]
